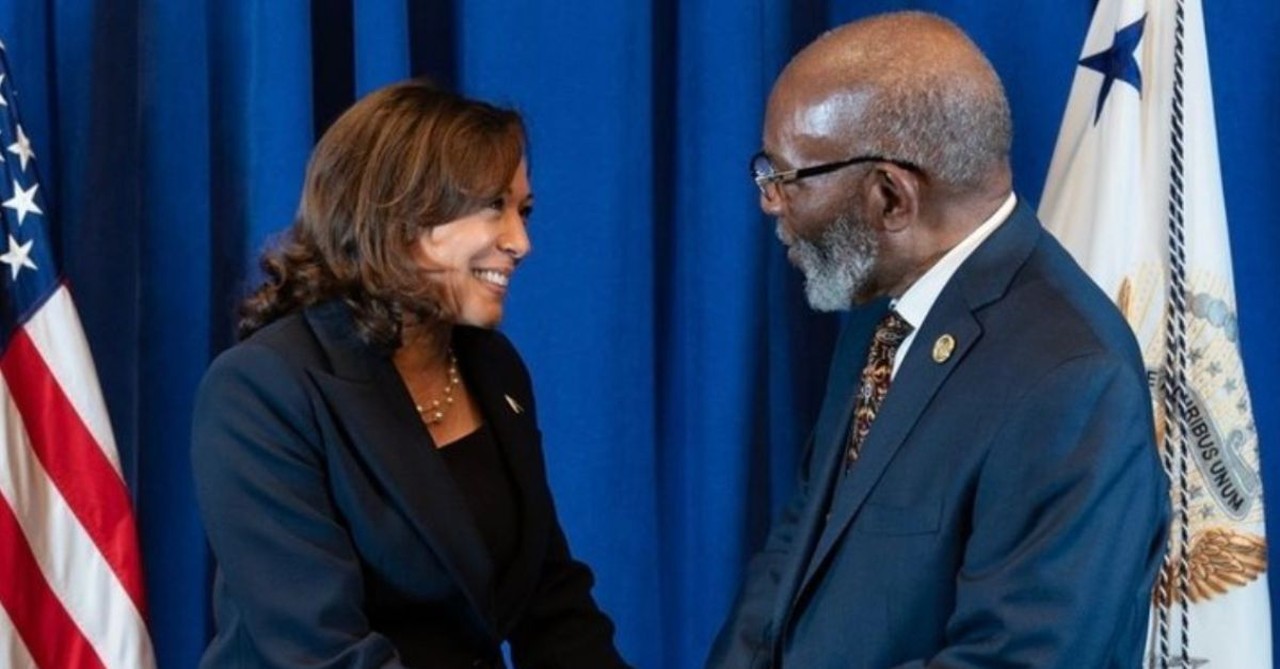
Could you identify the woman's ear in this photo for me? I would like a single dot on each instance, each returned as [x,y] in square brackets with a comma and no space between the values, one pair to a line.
[421,251]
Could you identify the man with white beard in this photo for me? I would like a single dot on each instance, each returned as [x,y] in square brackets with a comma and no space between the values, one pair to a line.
[982,487]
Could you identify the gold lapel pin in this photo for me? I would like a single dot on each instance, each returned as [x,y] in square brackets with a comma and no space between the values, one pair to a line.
[515,406]
[943,347]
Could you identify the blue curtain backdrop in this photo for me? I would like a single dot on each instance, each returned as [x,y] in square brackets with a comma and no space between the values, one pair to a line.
[676,364]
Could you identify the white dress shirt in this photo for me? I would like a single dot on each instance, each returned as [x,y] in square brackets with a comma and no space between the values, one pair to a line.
[914,305]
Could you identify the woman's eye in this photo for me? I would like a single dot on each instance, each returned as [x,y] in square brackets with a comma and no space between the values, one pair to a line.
[526,212]
[498,204]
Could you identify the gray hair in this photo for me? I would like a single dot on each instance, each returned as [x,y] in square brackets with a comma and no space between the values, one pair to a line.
[930,97]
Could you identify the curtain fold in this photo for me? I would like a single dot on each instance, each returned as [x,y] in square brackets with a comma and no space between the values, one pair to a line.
[174,229]
[677,368]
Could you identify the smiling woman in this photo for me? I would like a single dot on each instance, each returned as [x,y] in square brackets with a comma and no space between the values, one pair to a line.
[367,460]
[403,164]
[475,255]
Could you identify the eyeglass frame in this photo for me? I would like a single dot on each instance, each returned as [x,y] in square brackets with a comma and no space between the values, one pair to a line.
[764,181]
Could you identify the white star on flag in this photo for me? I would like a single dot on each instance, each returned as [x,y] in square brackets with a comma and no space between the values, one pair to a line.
[18,256]
[22,149]
[23,201]
[3,102]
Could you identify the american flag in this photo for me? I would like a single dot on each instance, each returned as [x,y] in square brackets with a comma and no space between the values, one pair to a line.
[70,577]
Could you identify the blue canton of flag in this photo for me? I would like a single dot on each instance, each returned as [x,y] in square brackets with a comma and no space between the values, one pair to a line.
[26,259]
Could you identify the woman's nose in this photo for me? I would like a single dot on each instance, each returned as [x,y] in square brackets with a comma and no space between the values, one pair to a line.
[514,240]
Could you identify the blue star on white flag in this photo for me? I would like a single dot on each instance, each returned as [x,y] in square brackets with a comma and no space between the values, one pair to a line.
[1117,62]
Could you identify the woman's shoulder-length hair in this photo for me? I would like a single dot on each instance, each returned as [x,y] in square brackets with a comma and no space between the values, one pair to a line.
[401,160]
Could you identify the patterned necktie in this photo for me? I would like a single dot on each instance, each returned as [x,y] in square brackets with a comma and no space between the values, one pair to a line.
[876,376]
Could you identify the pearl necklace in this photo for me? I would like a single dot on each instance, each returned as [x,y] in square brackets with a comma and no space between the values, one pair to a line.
[433,412]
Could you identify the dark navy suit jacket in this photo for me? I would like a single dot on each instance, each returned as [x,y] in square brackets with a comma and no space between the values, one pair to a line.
[340,536]
[1008,508]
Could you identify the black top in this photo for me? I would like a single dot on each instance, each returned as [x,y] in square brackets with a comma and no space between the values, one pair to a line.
[485,480]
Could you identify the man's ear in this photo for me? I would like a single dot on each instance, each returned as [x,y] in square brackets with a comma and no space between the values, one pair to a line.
[896,195]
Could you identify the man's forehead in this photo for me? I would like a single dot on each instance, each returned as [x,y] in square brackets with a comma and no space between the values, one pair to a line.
[799,114]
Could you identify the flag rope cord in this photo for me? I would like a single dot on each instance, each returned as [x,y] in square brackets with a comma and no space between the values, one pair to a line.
[1175,395]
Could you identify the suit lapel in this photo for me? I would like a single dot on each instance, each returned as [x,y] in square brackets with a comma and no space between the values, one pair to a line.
[368,399]
[914,386]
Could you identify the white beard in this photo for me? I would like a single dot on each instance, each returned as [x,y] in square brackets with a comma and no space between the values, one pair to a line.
[838,264]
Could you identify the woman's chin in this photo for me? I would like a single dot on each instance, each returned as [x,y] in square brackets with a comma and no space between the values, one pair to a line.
[488,319]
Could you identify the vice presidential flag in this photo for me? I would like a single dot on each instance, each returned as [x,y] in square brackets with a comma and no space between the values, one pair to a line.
[70,578]
[1135,193]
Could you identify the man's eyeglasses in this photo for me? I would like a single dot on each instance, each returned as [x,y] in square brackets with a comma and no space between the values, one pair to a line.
[770,181]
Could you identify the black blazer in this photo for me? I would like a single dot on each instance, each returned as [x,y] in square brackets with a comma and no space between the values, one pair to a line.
[340,536]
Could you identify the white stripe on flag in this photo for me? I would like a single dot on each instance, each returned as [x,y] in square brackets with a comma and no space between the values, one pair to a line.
[56,332]
[13,655]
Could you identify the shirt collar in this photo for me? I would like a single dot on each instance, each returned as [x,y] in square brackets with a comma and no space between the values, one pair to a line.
[915,303]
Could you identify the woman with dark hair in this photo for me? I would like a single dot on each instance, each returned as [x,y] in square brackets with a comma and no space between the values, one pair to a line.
[367,460]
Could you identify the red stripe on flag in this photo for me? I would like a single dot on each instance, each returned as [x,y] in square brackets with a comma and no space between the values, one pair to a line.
[47,630]
[75,462]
